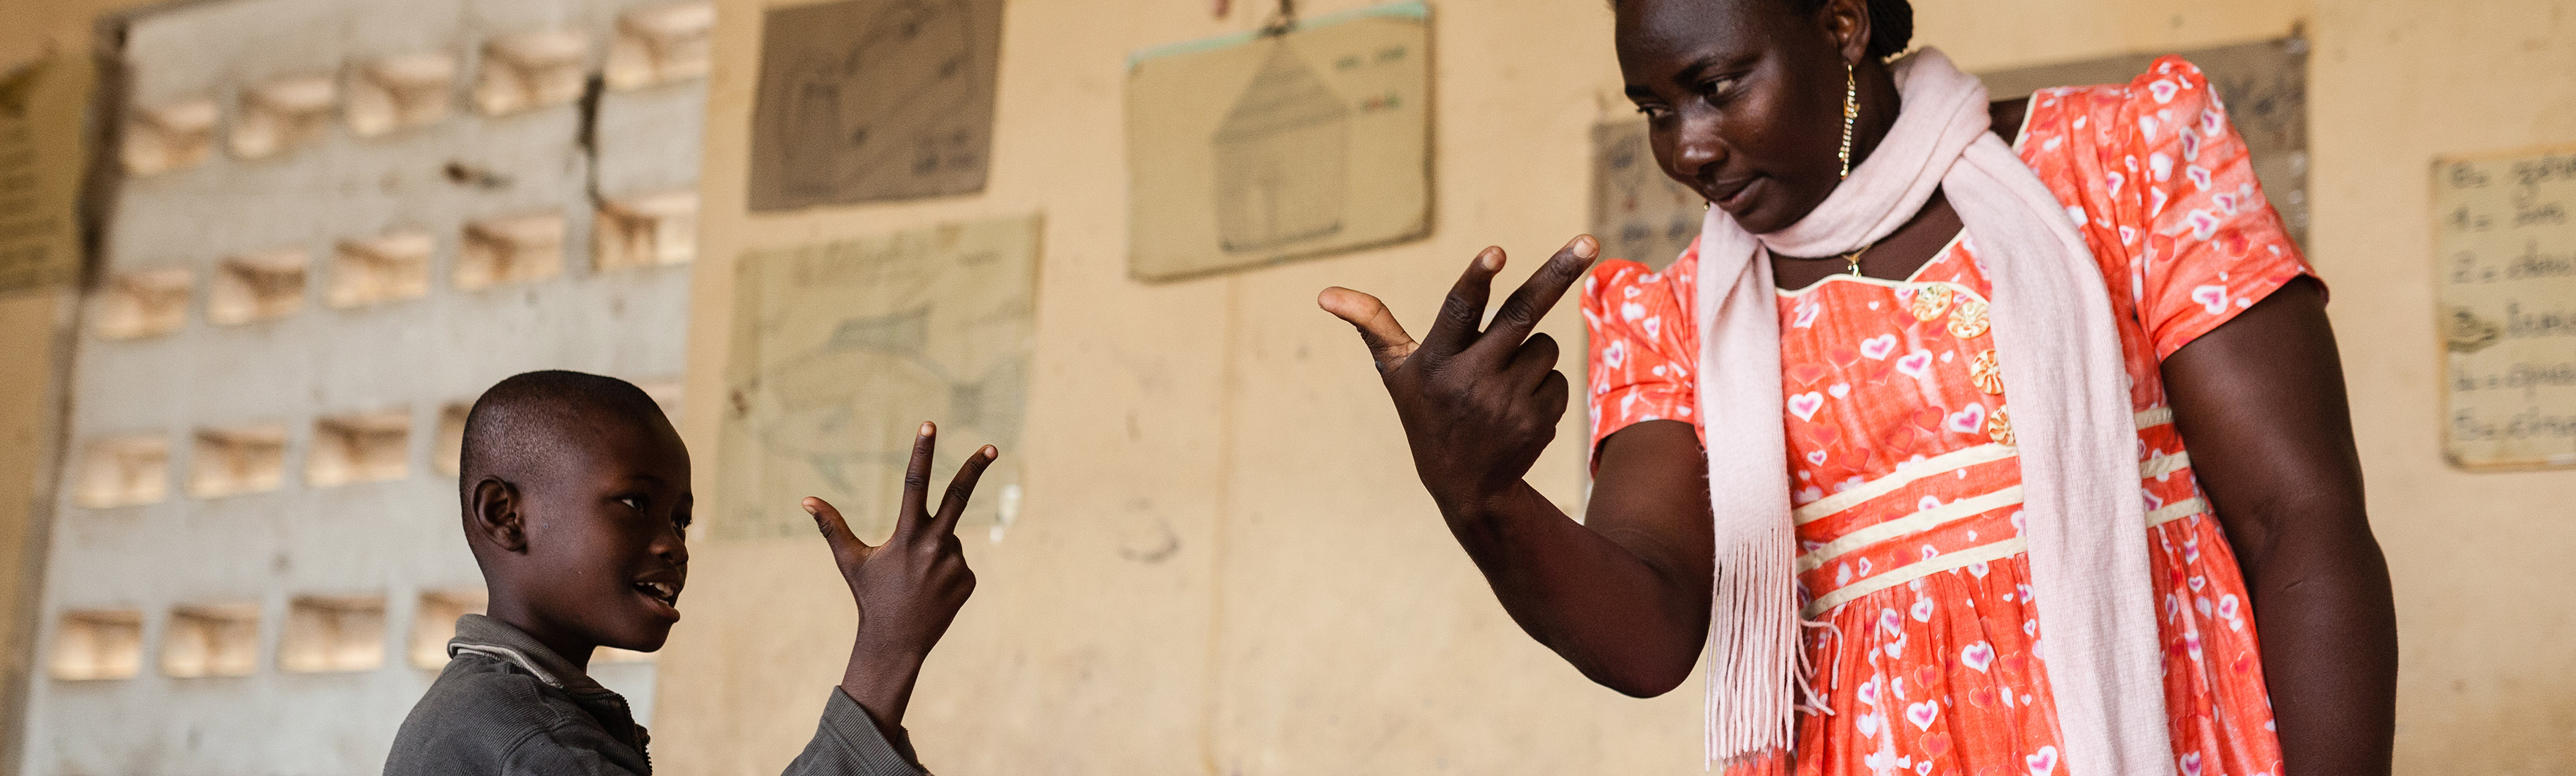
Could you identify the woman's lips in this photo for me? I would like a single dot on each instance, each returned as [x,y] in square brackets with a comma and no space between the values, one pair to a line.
[1732,200]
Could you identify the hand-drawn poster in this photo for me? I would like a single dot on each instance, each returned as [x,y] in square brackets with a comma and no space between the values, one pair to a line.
[2505,257]
[2263,84]
[43,157]
[1638,212]
[870,100]
[841,349]
[1259,148]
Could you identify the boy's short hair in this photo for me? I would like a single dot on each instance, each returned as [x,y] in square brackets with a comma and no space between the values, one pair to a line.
[526,420]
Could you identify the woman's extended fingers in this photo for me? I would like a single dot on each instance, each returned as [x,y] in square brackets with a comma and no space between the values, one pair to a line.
[1464,310]
[960,488]
[845,545]
[1386,340]
[916,483]
[1521,311]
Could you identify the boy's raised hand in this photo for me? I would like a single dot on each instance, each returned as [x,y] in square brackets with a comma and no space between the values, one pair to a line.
[1477,406]
[908,589]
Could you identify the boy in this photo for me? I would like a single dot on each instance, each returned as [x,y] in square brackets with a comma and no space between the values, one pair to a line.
[576,496]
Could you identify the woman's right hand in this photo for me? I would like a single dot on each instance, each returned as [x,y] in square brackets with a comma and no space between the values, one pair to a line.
[1477,407]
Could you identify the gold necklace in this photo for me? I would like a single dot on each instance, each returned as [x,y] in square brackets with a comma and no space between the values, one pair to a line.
[1854,258]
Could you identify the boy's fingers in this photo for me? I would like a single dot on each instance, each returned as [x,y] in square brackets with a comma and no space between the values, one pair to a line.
[961,488]
[836,531]
[1385,338]
[1520,312]
[916,482]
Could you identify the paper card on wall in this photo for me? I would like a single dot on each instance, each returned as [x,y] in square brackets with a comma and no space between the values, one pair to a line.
[2505,266]
[1638,212]
[870,100]
[2263,84]
[1253,149]
[841,349]
[43,157]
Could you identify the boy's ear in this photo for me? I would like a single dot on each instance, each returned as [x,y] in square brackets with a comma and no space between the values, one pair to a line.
[493,515]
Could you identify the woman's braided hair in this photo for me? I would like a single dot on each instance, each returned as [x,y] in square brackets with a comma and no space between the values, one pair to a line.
[1891,23]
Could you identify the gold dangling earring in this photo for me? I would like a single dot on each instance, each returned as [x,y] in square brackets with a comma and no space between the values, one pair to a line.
[1851,110]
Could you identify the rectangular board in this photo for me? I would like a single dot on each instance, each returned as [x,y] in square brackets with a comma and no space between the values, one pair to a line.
[1638,212]
[42,160]
[874,100]
[1259,148]
[2505,266]
[841,349]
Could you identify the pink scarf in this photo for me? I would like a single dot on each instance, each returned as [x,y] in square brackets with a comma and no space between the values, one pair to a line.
[2060,353]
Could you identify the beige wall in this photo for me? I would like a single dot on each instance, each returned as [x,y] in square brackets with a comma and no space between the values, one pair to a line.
[30,367]
[1318,619]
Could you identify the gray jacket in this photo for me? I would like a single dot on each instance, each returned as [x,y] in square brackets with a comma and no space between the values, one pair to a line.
[508,706]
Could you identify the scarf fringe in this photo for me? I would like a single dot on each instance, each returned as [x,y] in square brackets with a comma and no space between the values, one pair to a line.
[1756,672]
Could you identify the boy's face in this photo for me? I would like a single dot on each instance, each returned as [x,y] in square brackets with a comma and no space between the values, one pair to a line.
[606,537]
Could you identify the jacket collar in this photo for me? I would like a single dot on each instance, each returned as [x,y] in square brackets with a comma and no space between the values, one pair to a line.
[502,641]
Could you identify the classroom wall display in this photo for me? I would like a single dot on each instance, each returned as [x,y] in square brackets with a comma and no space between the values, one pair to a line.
[873,100]
[2505,261]
[42,159]
[1269,146]
[841,349]
[1638,212]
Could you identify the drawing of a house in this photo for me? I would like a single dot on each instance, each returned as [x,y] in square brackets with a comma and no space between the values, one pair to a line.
[1282,158]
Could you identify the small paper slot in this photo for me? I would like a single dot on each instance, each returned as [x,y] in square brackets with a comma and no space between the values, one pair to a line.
[369,447]
[211,641]
[326,634]
[660,44]
[390,268]
[401,92]
[644,231]
[525,72]
[282,115]
[514,249]
[123,472]
[234,461]
[168,137]
[98,644]
[143,303]
[257,287]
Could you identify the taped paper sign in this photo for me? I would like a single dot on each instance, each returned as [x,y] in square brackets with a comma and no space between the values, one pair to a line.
[840,350]
[1259,148]
[42,158]
[869,100]
[1638,212]
[2506,266]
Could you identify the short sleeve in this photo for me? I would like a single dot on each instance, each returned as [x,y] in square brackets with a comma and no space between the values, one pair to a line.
[1642,344]
[2213,244]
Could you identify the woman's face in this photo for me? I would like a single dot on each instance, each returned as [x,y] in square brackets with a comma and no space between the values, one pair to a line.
[1744,99]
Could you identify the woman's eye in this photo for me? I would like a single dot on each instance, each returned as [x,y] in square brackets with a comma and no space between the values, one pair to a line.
[1652,111]
[1718,87]
[632,502]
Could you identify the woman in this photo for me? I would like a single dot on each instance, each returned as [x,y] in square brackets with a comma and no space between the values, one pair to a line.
[1871,543]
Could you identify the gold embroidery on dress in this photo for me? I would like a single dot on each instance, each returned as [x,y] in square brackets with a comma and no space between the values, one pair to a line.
[1968,319]
[1930,301]
[1999,427]
[1986,374]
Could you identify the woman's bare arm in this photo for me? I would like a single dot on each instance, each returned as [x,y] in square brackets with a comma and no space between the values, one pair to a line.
[1625,598]
[2260,403]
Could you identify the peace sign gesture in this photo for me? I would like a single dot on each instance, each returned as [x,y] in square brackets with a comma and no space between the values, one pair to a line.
[908,589]
[1477,406]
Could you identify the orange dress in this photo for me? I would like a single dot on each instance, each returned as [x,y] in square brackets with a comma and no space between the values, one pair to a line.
[1906,486]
